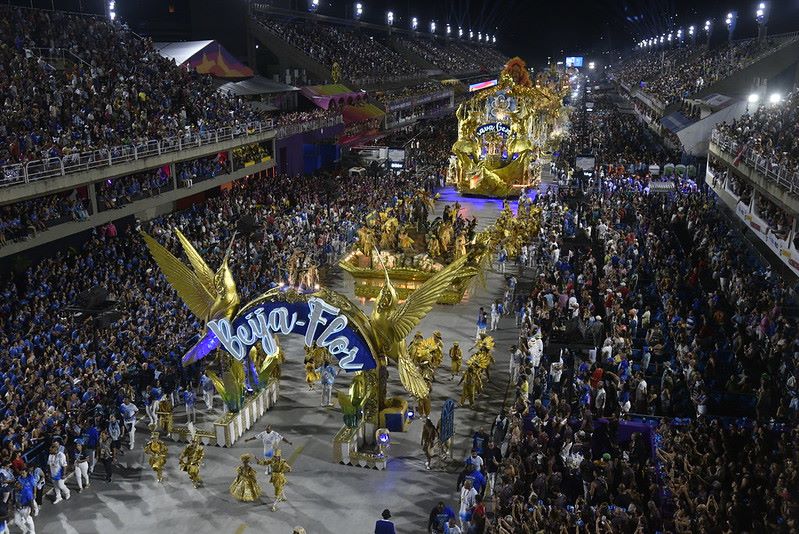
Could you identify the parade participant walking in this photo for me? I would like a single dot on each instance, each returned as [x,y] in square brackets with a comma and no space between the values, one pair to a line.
[428,441]
[81,460]
[456,356]
[207,387]
[495,315]
[106,453]
[279,468]
[270,439]
[129,410]
[328,375]
[57,462]
[385,525]
[25,501]
[482,322]
[190,399]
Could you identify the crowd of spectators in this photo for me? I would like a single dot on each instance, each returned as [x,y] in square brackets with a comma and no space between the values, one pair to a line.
[410,91]
[678,73]
[65,379]
[456,58]
[252,153]
[358,54]
[297,117]
[777,219]
[24,219]
[115,89]
[118,192]
[771,131]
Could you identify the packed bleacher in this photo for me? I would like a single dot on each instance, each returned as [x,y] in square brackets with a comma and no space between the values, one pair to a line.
[115,88]
[24,219]
[359,55]
[771,131]
[410,91]
[675,74]
[456,58]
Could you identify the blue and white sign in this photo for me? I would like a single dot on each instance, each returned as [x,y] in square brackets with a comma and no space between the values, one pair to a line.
[315,319]
[498,127]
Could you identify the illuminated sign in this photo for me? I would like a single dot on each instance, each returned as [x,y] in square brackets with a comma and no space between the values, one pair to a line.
[498,127]
[319,322]
[574,61]
[482,85]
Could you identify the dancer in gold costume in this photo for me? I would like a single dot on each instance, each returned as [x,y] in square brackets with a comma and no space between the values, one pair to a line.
[437,354]
[471,382]
[456,355]
[460,246]
[278,479]
[245,486]
[191,458]
[156,451]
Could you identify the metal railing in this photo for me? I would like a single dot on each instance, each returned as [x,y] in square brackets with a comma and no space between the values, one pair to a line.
[773,171]
[53,167]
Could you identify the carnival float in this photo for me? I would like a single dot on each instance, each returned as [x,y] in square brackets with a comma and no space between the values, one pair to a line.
[502,131]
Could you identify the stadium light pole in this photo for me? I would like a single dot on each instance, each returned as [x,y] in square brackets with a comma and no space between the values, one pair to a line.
[449,30]
[460,32]
[752,99]
[691,33]
[708,30]
[313,6]
[414,23]
[761,16]
[390,18]
[432,26]
[112,10]
[471,35]
[730,21]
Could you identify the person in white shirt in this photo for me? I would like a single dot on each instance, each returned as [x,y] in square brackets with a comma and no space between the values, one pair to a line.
[207,387]
[129,410]
[270,439]
[468,495]
[536,350]
[57,462]
[494,316]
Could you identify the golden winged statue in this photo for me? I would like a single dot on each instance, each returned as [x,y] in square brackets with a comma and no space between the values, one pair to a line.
[208,295]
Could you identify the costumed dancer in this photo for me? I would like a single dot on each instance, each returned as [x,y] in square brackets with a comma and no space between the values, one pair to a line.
[25,502]
[470,381]
[156,451]
[245,486]
[311,365]
[456,355]
[270,440]
[207,387]
[192,456]
[190,400]
[278,479]
[327,374]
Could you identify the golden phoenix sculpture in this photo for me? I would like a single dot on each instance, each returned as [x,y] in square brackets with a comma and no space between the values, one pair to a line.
[501,132]
[213,296]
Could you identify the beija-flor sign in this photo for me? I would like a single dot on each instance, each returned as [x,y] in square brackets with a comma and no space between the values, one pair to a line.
[498,127]
[318,321]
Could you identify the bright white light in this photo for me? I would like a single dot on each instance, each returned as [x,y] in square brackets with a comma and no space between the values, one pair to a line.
[471,34]
[494,39]
[669,37]
[390,18]
[460,32]
[449,30]
[690,30]
[433,27]
[774,98]
[591,65]
[661,39]
[112,15]
[754,97]
[762,5]
[679,33]
[111,5]
[414,23]
[479,36]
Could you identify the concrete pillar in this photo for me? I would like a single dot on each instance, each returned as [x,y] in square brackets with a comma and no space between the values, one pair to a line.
[174,175]
[93,197]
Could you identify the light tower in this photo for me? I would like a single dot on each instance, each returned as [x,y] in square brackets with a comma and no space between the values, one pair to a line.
[730,20]
[761,16]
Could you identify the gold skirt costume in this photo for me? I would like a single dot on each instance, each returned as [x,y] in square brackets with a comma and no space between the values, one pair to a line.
[245,486]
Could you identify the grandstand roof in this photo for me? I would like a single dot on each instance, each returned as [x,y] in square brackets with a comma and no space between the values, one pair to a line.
[257,85]
[206,57]
[337,95]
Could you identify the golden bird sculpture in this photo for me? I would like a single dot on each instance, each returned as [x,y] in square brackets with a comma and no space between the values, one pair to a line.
[391,322]
[209,295]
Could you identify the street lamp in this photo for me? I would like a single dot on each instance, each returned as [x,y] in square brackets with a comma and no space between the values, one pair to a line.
[414,23]
[433,26]
[460,32]
[358,10]
[390,18]
[761,16]
[471,34]
[449,30]
[479,36]
[730,21]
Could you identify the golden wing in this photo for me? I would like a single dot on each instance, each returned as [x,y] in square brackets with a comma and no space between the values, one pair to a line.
[411,377]
[420,302]
[189,287]
[204,273]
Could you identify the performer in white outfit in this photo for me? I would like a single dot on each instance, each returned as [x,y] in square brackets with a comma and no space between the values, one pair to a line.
[57,462]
